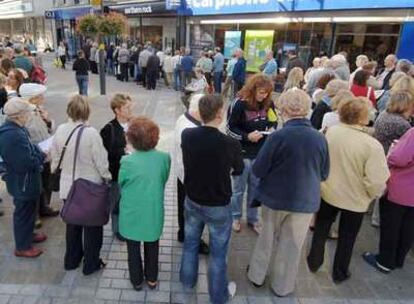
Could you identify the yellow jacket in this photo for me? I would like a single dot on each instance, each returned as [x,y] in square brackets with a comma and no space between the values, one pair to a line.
[358,168]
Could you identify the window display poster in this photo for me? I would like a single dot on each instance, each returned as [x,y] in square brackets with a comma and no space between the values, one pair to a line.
[232,40]
[256,44]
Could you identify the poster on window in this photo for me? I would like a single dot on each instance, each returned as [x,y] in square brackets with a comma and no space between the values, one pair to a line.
[232,40]
[256,44]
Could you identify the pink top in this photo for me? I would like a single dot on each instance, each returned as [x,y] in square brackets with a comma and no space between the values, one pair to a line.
[401,162]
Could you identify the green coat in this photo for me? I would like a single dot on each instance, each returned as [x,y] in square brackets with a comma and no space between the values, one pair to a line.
[142,178]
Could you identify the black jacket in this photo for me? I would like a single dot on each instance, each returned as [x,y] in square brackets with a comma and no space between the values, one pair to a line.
[153,64]
[386,83]
[113,136]
[295,62]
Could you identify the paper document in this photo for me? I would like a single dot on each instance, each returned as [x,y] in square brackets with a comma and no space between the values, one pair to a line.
[46,144]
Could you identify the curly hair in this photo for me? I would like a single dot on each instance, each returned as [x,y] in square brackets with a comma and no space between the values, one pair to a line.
[249,90]
[353,111]
[143,134]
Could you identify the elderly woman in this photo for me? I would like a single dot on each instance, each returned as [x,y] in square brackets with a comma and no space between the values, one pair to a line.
[390,125]
[248,122]
[316,64]
[114,141]
[360,61]
[24,162]
[360,86]
[396,209]
[93,166]
[324,106]
[331,119]
[15,79]
[289,191]
[358,175]
[295,79]
[385,97]
[141,218]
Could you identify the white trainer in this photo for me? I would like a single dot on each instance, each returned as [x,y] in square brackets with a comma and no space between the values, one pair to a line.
[232,287]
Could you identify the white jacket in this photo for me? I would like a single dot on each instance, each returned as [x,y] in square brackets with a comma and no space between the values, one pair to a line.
[168,64]
[92,161]
[183,122]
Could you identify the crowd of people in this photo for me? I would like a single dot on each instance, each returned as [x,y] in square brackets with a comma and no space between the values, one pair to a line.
[331,145]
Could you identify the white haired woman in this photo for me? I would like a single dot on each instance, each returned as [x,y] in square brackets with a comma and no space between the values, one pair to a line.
[291,166]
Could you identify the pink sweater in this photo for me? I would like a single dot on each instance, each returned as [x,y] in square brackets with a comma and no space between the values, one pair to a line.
[401,163]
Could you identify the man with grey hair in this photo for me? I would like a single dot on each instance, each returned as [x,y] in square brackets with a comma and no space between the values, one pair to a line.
[405,66]
[341,67]
[21,61]
[384,76]
[190,119]
[291,165]
[239,71]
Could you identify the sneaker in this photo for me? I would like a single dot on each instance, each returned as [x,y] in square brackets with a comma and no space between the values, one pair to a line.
[232,287]
[371,259]
[29,253]
[236,226]
[256,227]
[39,237]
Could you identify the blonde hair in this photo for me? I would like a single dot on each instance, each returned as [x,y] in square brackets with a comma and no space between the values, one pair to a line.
[400,102]
[395,77]
[78,108]
[342,95]
[119,100]
[3,80]
[334,86]
[405,83]
[361,60]
[294,79]
[353,111]
[295,103]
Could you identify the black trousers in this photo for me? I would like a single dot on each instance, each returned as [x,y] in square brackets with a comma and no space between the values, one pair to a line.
[89,248]
[124,72]
[151,80]
[349,225]
[63,60]
[396,234]
[144,76]
[23,223]
[136,273]
[46,194]
[180,201]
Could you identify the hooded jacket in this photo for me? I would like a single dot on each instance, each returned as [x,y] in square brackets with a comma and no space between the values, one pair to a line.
[23,160]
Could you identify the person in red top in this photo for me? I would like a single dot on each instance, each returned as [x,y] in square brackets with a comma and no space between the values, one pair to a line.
[360,87]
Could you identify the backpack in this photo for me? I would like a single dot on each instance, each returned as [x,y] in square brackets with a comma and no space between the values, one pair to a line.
[38,75]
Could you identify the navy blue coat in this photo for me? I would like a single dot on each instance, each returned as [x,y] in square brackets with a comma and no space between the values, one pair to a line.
[291,166]
[239,71]
[23,160]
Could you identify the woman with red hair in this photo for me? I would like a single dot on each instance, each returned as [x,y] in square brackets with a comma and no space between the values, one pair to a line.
[142,178]
[248,122]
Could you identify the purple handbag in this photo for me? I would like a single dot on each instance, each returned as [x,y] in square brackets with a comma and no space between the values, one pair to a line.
[88,203]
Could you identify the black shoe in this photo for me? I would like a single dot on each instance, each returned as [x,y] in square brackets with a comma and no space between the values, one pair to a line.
[137,287]
[1,213]
[180,237]
[49,212]
[100,266]
[342,278]
[203,248]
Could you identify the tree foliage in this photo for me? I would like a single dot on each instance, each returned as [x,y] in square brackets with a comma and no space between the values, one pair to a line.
[107,25]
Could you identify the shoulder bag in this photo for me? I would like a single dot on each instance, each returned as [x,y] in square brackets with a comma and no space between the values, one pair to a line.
[55,176]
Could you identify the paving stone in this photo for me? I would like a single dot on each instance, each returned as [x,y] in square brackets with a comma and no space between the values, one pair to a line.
[114,273]
[57,291]
[108,293]
[121,283]
[158,297]
[4,299]
[133,295]
[10,288]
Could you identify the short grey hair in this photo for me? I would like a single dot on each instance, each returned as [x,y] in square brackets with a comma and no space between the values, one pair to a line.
[194,101]
[361,60]
[404,65]
[334,86]
[295,103]
[18,48]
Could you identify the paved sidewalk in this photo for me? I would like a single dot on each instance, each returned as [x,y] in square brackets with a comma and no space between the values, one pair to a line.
[43,280]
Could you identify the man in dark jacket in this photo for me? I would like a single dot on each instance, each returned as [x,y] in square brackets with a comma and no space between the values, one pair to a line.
[24,163]
[294,62]
[291,165]
[239,71]
[153,69]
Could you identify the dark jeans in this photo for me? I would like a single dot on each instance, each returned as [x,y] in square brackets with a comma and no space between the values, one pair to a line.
[144,77]
[218,79]
[151,80]
[136,274]
[89,248]
[23,223]
[124,72]
[218,221]
[46,194]
[180,201]
[63,60]
[186,78]
[349,225]
[396,234]
[82,81]
[237,87]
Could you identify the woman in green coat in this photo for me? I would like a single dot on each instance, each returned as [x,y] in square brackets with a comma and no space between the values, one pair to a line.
[142,178]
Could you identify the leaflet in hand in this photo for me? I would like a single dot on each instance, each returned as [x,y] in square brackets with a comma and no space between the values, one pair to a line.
[46,145]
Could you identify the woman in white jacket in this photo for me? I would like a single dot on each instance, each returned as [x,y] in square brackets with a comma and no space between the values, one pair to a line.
[92,165]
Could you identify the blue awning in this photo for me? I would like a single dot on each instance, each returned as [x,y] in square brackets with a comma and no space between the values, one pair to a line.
[69,13]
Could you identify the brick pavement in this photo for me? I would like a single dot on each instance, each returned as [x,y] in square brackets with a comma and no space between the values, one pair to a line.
[44,281]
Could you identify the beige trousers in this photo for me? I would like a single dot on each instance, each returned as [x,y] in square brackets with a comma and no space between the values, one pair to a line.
[284,233]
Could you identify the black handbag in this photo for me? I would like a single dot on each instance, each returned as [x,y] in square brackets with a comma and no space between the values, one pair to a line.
[55,176]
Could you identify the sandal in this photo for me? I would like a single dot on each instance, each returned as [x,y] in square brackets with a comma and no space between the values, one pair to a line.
[152,285]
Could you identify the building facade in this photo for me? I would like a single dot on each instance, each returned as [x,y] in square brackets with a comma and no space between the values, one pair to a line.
[24,20]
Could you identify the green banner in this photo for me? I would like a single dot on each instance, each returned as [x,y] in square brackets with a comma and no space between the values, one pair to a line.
[256,44]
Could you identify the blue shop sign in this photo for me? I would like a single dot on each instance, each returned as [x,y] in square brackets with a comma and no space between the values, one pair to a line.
[212,7]
[69,13]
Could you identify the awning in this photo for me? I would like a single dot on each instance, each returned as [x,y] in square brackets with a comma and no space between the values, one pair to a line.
[69,13]
[143,8]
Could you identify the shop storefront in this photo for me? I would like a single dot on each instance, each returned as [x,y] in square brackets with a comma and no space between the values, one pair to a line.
[150,21]
[312,27]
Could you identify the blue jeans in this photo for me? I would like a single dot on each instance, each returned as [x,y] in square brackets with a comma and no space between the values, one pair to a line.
[218,220]
[110,66]
[177,79]
[82,81]
[218,79]
[247,178]
[24,217]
